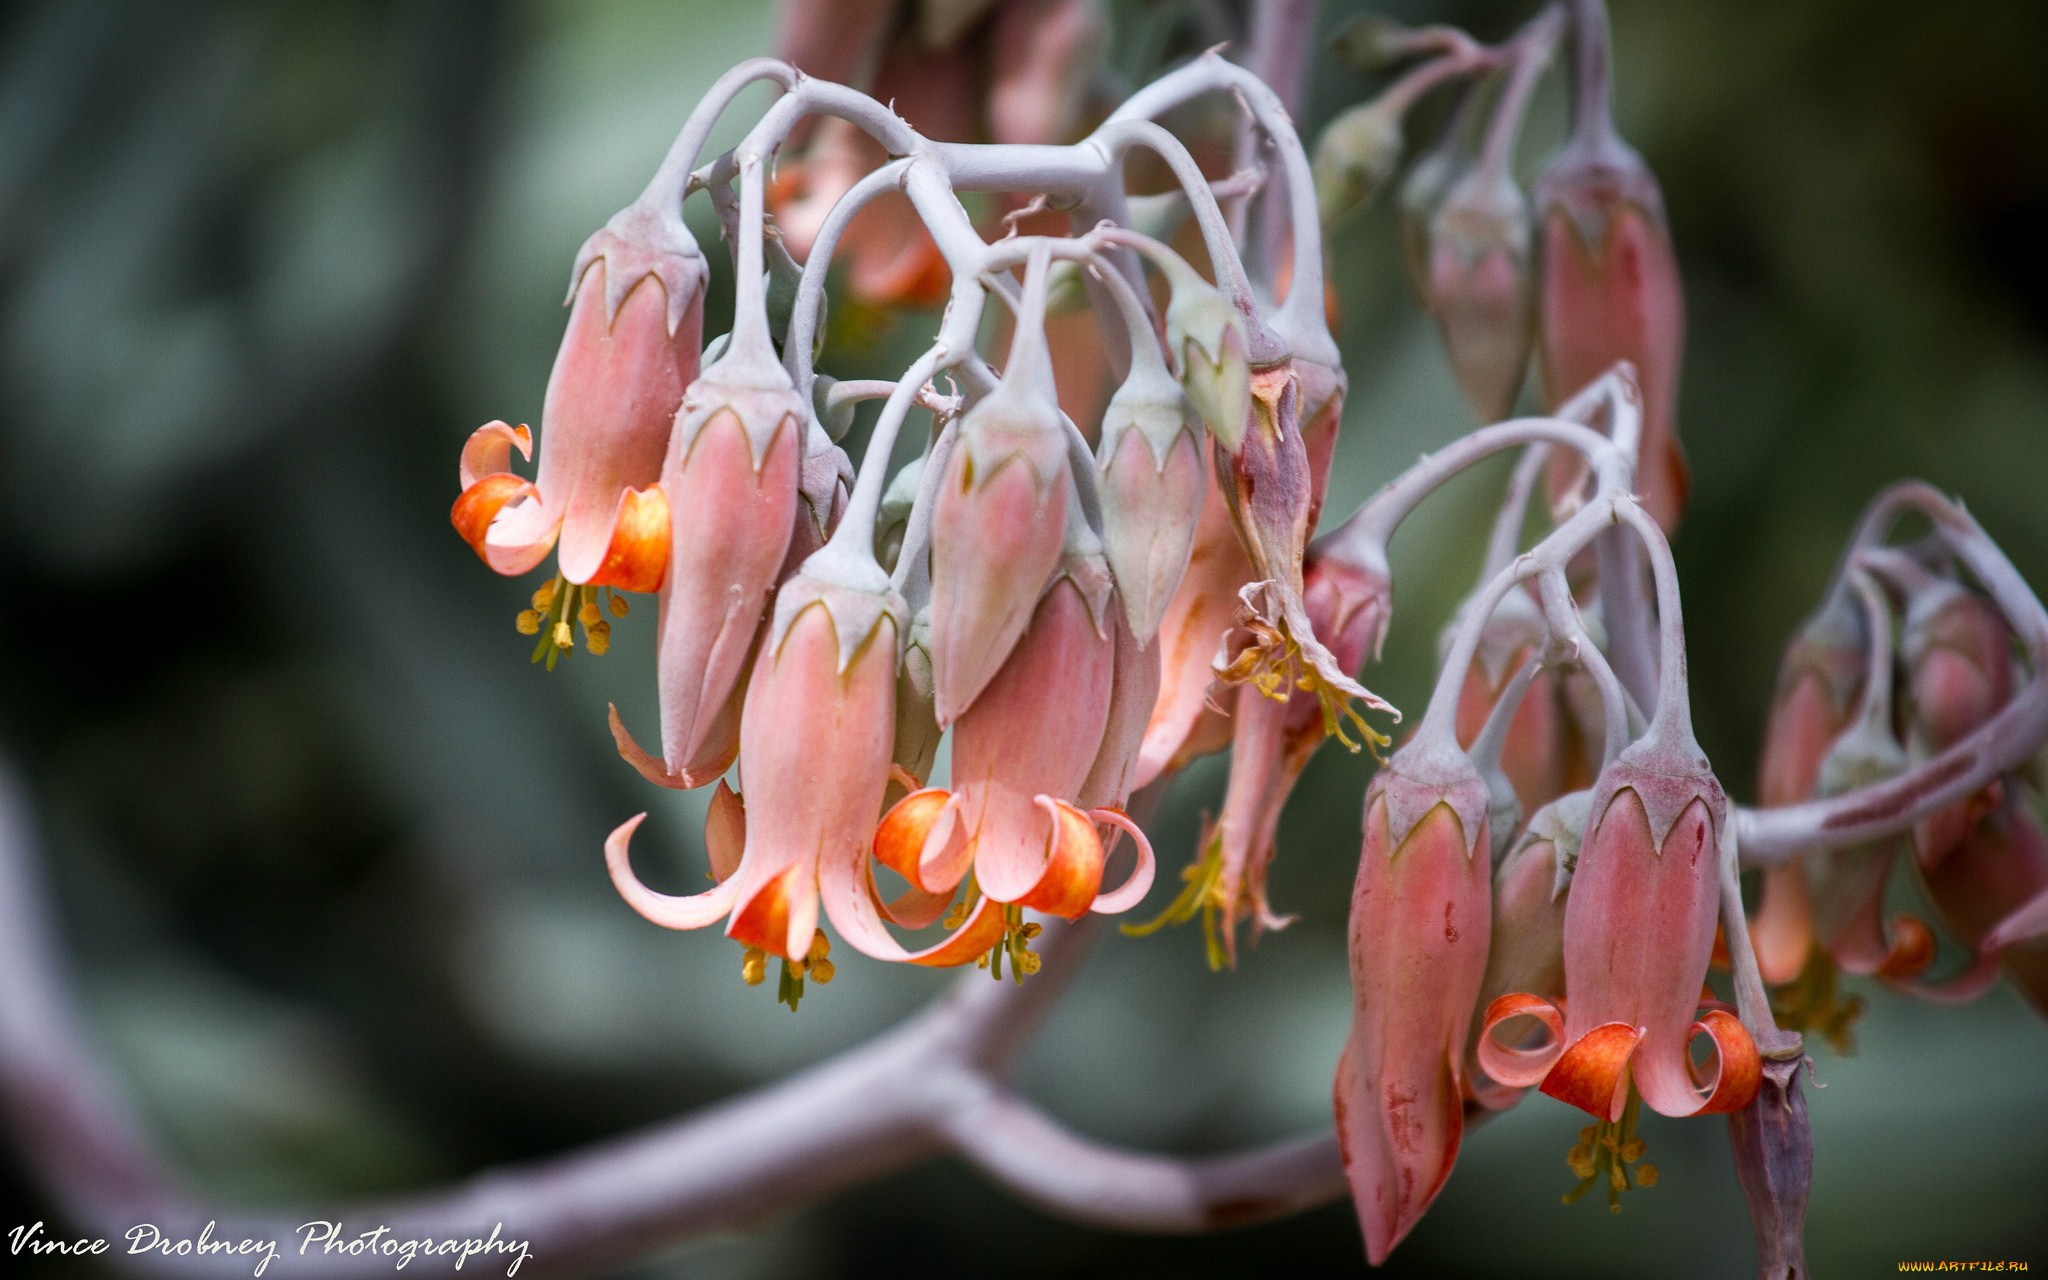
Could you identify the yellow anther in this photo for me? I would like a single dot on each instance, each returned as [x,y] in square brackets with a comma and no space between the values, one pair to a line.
[1616,1178]
[564,638]
[1632,1150]
[589,615]
[1032,930]
[544,598]
[618,604]
[754,966]
[822,970]
[1028,962]
[1646,1175]
[956,915]
[599,639]
[821,946]
[981,961]
[528,622]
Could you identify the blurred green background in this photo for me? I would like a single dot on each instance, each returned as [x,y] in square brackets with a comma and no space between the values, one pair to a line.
[326,847]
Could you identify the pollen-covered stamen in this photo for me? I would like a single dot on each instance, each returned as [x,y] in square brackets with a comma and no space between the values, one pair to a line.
[1609,1152]
[1203,892]
[790,989]
[1275,664]
[1016,943]
[558,607]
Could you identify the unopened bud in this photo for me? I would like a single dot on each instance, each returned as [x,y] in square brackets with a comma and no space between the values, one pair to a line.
[1206,336]
[1355,156]
[1481,289]
[1375,42]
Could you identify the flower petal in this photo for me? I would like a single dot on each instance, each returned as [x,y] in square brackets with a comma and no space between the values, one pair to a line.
[480,504]
[1073,863]
[488,451]
[1738,1069]
[1520,1068]
[637,557]
[725,832]
[670,912]
[1134,888]
[1593,1073]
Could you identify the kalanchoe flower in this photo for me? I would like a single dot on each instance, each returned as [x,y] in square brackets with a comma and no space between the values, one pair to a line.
[1480,287]
[998,523]
[828,663]
[1012,816]
[1191,717]
[1988,890]
[1420,919]
[1610,288]
[1153,477]
[1960,669]
[1639,929]
[1818,682]
[636,299]
[732,476]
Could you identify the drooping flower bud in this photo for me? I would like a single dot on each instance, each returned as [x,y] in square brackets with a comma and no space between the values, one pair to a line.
[1998,870]
[1818,682]
[1480,287]
[636,301]
[1206,337]
[1133,690]
[732,476]
[1000,517]
[1611,292]
[1190,719]
[1357,153]
[1420,920]
[1153,478]
[1959,667]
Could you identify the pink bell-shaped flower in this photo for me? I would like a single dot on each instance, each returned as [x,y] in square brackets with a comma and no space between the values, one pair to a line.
[1420,918]
[999,520]
[636,300]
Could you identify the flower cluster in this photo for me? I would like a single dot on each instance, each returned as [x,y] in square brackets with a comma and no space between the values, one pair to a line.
[1085,600]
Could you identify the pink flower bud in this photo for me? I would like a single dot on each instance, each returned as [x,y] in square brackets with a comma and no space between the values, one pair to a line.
[1000,518]
[1818,682]
[635,322]
[1153,478]
[1418,942]
[1997,873]
[1610,292]
[1960,670]
[1480,288]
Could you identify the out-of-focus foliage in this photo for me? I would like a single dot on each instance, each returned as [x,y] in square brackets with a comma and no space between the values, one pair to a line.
[327,848]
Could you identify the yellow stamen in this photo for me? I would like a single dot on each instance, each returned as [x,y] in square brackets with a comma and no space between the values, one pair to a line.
[754,966]
[544,598]
[528,622]
[1204,893]
[564,638]
[598,639]
[617,602]
[589,614]
[1605,1153]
